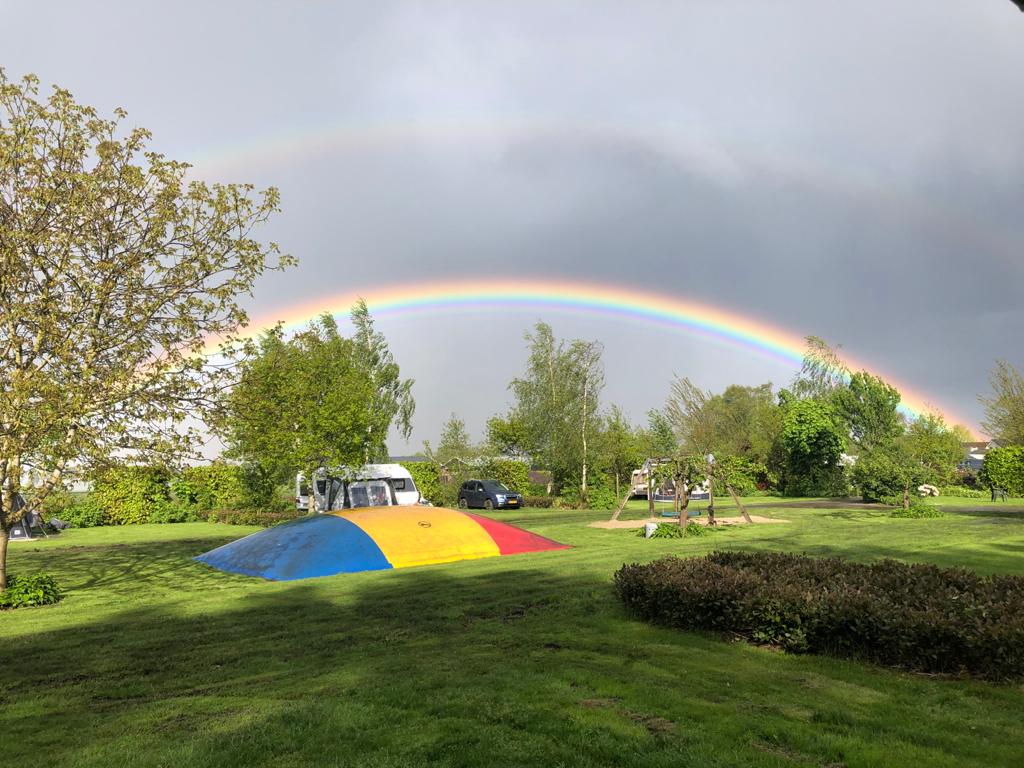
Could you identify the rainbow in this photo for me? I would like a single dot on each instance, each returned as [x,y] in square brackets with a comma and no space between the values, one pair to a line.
[742,331]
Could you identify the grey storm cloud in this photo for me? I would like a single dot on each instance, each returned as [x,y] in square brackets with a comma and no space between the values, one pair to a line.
[852,171]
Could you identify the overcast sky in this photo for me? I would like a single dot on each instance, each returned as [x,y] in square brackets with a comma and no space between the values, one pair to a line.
[854,171]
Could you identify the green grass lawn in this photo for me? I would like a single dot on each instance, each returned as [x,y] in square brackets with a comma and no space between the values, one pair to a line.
[155,660]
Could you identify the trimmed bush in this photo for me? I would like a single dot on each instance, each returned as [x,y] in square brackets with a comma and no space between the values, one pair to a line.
[25,591]
[912,616]
[542,502]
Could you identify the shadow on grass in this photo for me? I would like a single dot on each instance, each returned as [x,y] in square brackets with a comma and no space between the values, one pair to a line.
[111,566]
[432,666]
[414,667]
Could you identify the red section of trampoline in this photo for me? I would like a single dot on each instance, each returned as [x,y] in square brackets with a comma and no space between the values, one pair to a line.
[512,540]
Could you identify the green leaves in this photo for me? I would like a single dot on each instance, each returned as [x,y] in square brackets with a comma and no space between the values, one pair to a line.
[26,591]
[1004,410]
[317,399]
[115,271]
[1004,468]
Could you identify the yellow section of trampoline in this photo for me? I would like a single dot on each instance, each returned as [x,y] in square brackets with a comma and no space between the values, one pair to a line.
[418,535]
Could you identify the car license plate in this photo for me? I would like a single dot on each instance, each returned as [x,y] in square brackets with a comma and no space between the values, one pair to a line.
[513,501]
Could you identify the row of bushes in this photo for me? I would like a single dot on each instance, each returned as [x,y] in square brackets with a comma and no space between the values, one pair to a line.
[916,617]
[963,492]
[129,495]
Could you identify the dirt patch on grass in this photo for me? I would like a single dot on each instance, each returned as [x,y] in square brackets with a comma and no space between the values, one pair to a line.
[655,725]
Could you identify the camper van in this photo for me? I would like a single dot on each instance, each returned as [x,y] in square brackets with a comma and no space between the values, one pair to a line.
[665,490]
[371,485]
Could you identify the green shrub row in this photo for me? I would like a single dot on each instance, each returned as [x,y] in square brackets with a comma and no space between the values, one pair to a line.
[126,495]
[251,517]
[962,492]
[542,502]
[35,589]
[911,616]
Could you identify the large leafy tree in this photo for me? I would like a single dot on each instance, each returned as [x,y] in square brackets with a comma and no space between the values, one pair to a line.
[1004,408]
[813,441]
[557,402]
[935,447]
[312,401]
[508,436]
[741,421]
[868,407]
[115,270]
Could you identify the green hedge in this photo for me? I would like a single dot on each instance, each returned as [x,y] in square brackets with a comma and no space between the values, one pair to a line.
[514,474]
[543,502]
[128,494]
[427,476]
[251,517]
[912,616]
[213,486]
[962,492]
[25,591]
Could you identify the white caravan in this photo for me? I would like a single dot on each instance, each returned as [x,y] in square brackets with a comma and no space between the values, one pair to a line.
[371,485]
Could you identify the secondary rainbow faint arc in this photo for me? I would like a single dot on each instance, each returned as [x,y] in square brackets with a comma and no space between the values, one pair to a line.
[590,298]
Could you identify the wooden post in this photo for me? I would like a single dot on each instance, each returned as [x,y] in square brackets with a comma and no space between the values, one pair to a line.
[622,504]
[735,498]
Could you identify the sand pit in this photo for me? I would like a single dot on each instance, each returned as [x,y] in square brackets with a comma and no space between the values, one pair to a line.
[702,520]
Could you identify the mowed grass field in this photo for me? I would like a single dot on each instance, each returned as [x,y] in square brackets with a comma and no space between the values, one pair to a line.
[153,659]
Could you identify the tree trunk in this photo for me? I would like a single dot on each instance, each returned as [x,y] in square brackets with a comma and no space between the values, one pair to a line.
[650,494]
[4,536]
[675,499]
[616,485]
[735,498]
[711,501]
[906,497]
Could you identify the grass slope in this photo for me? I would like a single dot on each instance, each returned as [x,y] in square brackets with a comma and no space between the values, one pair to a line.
[155,660]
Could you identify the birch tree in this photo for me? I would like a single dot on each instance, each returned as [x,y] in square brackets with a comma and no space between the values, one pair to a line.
[115,271]
[557,402]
